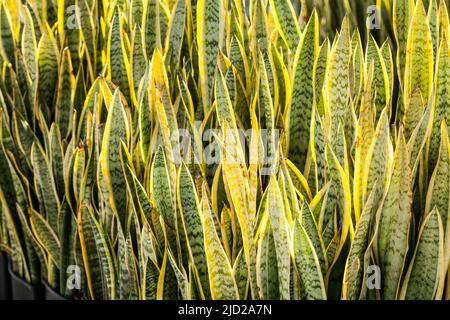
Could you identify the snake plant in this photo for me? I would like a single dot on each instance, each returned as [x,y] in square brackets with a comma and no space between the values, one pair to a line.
[227,149]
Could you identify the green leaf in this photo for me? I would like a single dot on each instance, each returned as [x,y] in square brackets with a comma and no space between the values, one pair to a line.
[426,270]
[302,99]
[286,20]
[279,225]
[97,257]
[45,183]
[161,189]
[116,131]
[266,265]
[221,279]
[46,236]
[419,55]
[189,205]
[210,37]
[307,265]
[48,66]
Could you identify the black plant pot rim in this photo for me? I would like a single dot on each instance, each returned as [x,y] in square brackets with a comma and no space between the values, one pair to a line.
[34,289]
[52,293]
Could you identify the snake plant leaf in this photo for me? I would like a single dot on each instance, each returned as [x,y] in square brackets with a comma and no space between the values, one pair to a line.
[149,280]
[307,265]
[380,81]
[240,273]
[237,184]
[6,179]
[64,100]
[35,255]
[148,246]
[45,182]
[224,106]
[355,266]
[117,66]
[127,273]
[221,279]
[29,45]
[116,130]
[46,236]
[443,22]
[286,20]
[338,76]
[302,97]
[310,226]
[87,34]
[66,227]
[137,63]
[342,199]
[320,69]
[267,107]
[17,254]
[181,277]
[413,113]
[364,133]
[238,59]
[377,157]
[283,79]
[426,270]
[145,127]
[141,200]
[260,34]
[167,282]
[160,91]
[266,265]
[432,18]
[317,151]
[48,61]
[7,43]
[279,225]
[19,185]
[358,64]
[419,55]
[161,189]
[152,27]
[419,138]
[441,103]
[210,37]
[438,195]
[394,225]
[174,39]
[298,179]
[290,200]
[57,158]
[402,14]
[97,257]
[136,12]
[189,205]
